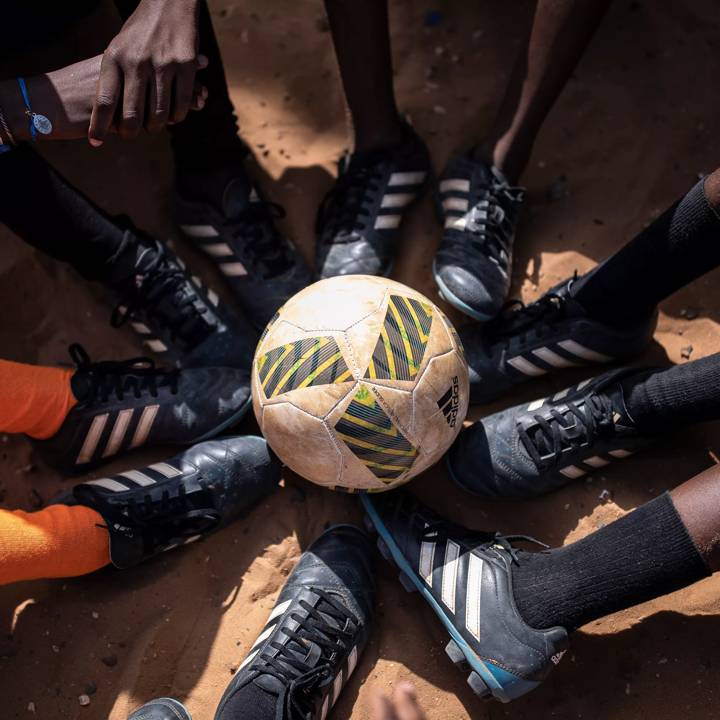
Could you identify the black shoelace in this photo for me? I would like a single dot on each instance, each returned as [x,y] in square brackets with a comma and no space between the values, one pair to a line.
[488,223]
[137,377]
[164,293]
[444,529]
[167,519]
[343,209]
[298,678]
[267,251]
[578,426]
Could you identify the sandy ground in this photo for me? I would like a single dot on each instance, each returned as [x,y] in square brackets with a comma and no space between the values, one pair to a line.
[631,132]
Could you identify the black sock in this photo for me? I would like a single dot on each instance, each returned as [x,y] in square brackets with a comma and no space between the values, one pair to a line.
[645,554]
[678,247]
[44,209]
[680,395]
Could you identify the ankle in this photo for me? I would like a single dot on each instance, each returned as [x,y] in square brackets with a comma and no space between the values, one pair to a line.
[379,136]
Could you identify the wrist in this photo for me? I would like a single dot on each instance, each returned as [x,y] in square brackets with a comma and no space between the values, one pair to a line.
[13,109]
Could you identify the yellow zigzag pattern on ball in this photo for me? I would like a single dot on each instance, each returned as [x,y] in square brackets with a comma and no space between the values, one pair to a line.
[373,439]
[404,336]
[312,361]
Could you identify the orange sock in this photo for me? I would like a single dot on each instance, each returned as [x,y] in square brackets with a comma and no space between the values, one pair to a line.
[58,541]
[34,399]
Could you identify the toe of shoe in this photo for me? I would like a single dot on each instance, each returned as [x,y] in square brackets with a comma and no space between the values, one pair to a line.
[162,709]
[478,294]
[351,258]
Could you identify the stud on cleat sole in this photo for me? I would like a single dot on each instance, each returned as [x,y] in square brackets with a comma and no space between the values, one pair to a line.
[407,583]
[384,550]
[478,686]
[453,651]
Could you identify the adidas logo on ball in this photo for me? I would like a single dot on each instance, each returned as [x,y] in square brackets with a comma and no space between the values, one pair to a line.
[450,402]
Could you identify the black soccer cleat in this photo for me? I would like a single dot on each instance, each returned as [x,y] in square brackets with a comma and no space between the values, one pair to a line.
[314,635]
[173,503]
[126,405]
[480,209]
[552,333]
[466,578]
[532,449]
[359,220]
[162,709]
[260,265]
[178,319]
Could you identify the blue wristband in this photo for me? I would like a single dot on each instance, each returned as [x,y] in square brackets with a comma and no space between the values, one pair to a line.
[38,123]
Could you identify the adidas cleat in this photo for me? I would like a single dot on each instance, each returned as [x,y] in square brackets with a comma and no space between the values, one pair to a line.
[177,318]
[126,405]
[552,333]
[359,220]
[311,642]
[532,449]
[173,503]
[473,264]
[466,578]
[261,267]
[162,709]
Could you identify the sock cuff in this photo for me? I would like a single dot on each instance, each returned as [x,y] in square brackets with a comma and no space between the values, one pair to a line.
[680,529]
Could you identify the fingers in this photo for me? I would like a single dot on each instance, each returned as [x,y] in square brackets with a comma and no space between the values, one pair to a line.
[158,111]
[381,707]
[184,85]
[406,704]
[106,101]
[133,111]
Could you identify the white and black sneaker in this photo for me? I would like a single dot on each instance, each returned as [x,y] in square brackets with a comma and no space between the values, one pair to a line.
[533,449]
[262,268]
[553,333]
[177,318]
[359,220]
[314,636]
[178,501]
[465,577]
[130,404]
[480,209]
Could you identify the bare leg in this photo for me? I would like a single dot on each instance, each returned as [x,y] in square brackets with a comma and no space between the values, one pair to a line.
[361,37]
[560,32]
[698,504]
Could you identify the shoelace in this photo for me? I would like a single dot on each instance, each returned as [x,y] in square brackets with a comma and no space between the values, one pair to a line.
[445,529]
[167,519]
[163,284]
[582,422]
[297,677]
[267,250]
[343,207]
[488,222]
[136,376]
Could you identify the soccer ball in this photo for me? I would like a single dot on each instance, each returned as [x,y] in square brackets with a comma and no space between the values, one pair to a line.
[359,383]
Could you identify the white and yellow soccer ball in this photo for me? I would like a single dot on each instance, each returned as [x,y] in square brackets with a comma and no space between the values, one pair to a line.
[359,383]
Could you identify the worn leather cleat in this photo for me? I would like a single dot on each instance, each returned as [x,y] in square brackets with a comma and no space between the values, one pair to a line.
[466,578]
